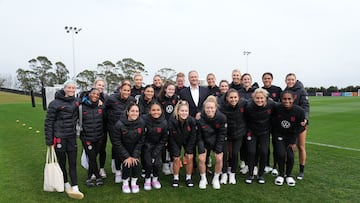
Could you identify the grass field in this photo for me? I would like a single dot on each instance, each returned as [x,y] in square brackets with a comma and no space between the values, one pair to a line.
[331,174]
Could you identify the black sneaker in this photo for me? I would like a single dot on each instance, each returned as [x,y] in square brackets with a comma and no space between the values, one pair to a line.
[89,183]
[261,180]
[189,183]
[300,176]
[99,182]
[175,183]
[249,179]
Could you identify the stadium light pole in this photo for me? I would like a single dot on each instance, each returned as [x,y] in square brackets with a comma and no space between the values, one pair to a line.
[73,31]
[247,55]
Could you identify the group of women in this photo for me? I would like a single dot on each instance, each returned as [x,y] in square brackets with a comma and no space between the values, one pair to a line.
[147,124]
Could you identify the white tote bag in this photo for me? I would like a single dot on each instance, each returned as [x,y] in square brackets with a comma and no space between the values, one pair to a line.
[53,176]
[84,160]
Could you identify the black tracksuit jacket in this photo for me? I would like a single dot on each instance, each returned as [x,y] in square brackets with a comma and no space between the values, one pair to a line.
[182,134]
[129,137]
[61,117]
[211,132]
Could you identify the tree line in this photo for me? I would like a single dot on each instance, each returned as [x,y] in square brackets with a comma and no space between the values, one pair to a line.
[42,72]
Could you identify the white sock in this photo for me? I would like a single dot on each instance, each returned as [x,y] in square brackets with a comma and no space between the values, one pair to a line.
[176,177]
[147,180]
[188,176]
[75,188]
[118,173]
[203,176]
[67,185]
[216,175]
[133,181]
[155,179]
[126,181]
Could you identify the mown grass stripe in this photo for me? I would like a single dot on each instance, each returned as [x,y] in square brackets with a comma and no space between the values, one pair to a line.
[333,146]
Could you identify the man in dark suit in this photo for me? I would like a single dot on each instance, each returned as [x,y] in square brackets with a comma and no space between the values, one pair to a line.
[195,95]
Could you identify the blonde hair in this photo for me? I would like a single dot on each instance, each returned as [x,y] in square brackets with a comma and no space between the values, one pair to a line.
[180,104]
[211,99]
[261,91]
[99,79]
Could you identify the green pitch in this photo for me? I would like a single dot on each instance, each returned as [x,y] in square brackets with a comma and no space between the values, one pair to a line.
[331,172]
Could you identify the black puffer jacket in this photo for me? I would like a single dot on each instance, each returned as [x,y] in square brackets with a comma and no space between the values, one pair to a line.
[144,105]
[258,118]
[129,137]
[92,120]
[287,122]
[237,87]
[211,132]
[247,94]
[301,97]
[183,133]
[274,92]
[156,135]
[236,128]
[115,106]
[61,117]
[168,105]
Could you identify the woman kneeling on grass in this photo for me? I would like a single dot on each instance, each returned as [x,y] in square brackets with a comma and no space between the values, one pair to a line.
[128,140]
[211,136]
[182,133]
[287,124]
[60,131]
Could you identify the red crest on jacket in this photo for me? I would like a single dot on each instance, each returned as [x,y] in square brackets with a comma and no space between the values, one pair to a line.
[100,111]
[188,128]
[217,125]
[292,118]
[242,109]
[158,130]
[269,111]
[139,130]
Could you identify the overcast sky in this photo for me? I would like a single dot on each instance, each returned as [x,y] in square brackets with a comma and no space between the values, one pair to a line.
[318,40]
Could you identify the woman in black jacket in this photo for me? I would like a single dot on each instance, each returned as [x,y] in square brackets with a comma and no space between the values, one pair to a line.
[115,106]
[287,125]
[234,109]
[211,136]
[156,137]
[258,120]
[127,141]
[146,99]
[182,133]
[301,99]
[60,131]
[92,134]
[168,99]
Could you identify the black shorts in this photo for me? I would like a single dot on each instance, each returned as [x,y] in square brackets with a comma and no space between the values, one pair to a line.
[65,144]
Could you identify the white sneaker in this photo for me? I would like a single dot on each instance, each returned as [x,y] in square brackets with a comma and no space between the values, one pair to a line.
[113,167]
[147,184]
[118,178]
[245,170]
[279,180]
[232,179]
[156,184]
[102,173]
[274,172]
[242,164]
[166,169]
[203,183]
[135,189]
[223,179]
[290,181]
[255,171]
[216,183]
[126,189]
[268,169]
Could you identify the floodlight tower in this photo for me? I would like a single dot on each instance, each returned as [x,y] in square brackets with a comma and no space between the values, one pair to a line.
[74,31]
